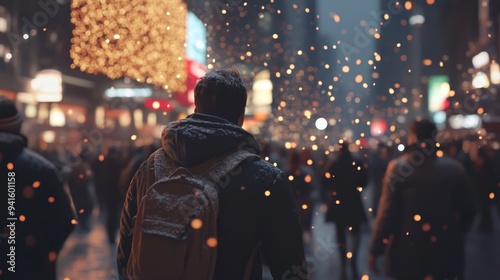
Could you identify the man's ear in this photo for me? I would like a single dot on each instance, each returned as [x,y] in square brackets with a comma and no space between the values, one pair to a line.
[241,118]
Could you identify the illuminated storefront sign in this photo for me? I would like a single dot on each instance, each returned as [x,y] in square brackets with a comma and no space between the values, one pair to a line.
[47,86]
[439,91]
[196,39]
[128,92]
[465,121]
[196,56]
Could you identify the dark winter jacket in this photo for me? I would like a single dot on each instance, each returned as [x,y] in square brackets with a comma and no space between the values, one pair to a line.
[344,197]
[425,209]
[40,204]
[247,216]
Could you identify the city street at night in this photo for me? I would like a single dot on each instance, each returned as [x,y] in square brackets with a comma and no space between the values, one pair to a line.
[250,140]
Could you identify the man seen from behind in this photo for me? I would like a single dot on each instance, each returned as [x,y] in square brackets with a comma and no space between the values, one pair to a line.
[256,207]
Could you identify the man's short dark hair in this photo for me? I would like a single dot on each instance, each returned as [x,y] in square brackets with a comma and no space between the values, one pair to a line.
[221,93]
[425,130]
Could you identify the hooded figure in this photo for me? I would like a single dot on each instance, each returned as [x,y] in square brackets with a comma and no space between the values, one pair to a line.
[256,206]
[40,216]
[347,178]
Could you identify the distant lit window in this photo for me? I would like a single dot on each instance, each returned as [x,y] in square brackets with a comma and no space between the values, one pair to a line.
[262,95]
[57,117]
[3,25]
[4,20]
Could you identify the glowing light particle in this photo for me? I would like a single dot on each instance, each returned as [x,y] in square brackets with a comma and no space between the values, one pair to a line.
[196,223]
[321,123]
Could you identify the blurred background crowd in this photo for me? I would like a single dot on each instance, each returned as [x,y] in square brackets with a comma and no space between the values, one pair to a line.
[98,181]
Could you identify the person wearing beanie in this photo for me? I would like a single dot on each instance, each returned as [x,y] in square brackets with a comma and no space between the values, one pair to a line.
[10,118]
[39,217]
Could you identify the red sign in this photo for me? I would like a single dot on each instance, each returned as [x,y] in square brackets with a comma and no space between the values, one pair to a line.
[195,71]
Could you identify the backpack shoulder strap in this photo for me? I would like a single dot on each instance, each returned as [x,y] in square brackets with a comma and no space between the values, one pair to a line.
[163,166]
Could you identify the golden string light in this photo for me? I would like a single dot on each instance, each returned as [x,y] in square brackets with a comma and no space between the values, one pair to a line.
[143,40]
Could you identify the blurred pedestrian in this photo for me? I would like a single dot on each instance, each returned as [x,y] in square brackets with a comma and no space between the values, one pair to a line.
[301,182]
[256,207]
[99,177]
[80,187]
[455,151]
[311,167]
[378,166]
[113,197]
[38,215]
[278,155]
[485,181]
[426,207]
[139,156]
[346,179]
[496,168]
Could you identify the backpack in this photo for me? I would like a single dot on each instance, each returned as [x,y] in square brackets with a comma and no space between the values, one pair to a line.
[175,230]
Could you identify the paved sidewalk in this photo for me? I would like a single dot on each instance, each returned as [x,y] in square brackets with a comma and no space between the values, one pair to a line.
[90,257]
[482,254]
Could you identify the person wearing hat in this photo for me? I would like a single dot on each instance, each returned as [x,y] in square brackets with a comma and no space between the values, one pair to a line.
[38,215]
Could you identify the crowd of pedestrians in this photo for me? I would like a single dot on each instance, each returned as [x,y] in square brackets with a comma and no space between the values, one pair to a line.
[425,197]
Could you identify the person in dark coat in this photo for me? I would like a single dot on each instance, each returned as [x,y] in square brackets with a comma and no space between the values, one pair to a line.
[301,182]
[255,207]
[80,188]
[139,156]
[113,198]
[378,166]
[40,216]
[346,179]
[99,176]
[426,207]
[455,151]
[485,181]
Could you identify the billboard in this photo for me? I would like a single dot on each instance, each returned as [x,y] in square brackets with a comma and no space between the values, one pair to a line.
[439,90]
[196,39]
[196,57]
